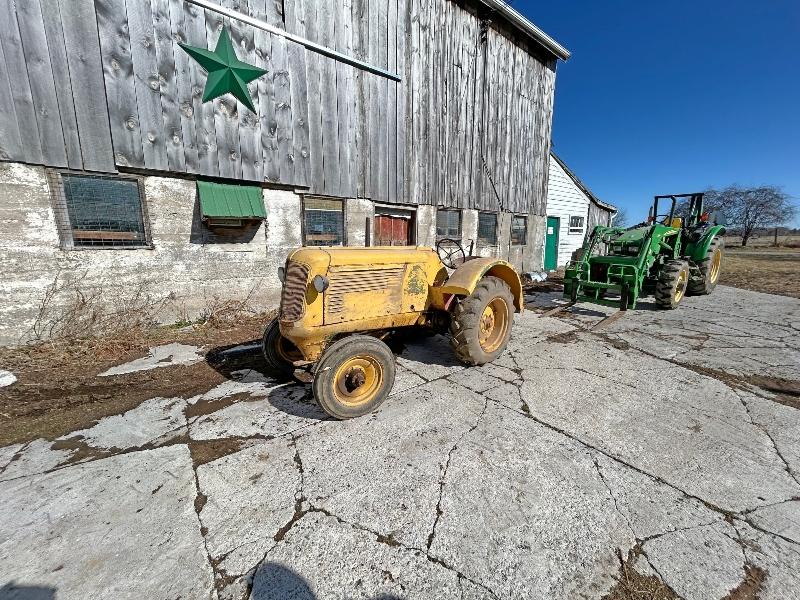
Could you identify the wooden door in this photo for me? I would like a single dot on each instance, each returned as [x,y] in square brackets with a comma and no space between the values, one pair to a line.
[392,230]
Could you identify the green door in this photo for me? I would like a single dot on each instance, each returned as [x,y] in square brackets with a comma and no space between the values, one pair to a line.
[551,244]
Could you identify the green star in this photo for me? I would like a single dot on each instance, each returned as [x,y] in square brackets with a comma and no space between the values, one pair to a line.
[226,73]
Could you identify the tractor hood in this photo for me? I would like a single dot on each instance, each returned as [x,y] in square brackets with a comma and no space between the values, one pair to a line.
[323,257]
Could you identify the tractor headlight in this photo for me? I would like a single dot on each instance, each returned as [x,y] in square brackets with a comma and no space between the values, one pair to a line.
[281,274]
[320,283]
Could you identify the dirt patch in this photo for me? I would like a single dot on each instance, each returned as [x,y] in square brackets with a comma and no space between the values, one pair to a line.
[762,269]
[614,342]
[632,585]
[206,451]
[207,407]
[58,391]
[568,337]
[751,586]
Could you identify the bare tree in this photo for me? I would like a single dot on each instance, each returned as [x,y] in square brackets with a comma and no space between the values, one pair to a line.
[749,209]
[620,218]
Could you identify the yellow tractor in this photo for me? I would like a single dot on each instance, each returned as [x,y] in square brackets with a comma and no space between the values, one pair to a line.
[338,305]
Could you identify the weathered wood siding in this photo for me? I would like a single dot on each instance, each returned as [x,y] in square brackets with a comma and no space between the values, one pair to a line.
[598,216]
[467,126]
[52,95]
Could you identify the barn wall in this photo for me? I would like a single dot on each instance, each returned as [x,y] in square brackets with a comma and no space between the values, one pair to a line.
[598,216]
[103,84]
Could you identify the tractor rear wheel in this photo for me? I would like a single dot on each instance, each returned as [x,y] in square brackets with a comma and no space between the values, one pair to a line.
[279,353]
[709,270]
[354,376]
[481,323]
[673,279]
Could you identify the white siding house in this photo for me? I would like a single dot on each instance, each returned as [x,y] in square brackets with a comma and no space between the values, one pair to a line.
[569,201]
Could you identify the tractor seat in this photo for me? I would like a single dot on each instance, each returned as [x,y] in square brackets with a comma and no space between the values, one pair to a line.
[676,222]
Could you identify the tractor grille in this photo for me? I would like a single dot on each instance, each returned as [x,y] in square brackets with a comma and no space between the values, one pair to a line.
[293,304]
[346,286]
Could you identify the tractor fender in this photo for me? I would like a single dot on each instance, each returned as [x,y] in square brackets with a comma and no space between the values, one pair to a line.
[464,279]
[697,250]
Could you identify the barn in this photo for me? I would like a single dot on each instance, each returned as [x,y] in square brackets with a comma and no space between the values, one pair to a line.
[572,212]
[164,155]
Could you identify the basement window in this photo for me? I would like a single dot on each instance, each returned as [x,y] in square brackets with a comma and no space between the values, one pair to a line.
[448,224]
[99,211]
[576,224]
[487,229]
[519,230]
[323,221]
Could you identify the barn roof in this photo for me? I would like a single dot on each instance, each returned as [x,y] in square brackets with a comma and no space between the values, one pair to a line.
[527,27]
[582,186]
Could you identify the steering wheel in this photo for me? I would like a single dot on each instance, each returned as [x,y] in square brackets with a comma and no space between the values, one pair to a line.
[450,252]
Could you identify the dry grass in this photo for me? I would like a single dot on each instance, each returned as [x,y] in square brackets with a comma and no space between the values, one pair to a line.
[762,267]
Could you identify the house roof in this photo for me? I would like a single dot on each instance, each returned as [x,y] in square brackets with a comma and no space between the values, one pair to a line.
[524,25]
[582,186]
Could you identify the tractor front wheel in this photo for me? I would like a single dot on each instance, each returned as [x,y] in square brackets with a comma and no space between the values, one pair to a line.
[481,323]
[673,279]
[354,376]
[279,353]
[709,270]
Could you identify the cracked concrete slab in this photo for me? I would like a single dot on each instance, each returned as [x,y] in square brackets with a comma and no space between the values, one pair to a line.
[528,477]
[323,557]
[702,563]
[123,526]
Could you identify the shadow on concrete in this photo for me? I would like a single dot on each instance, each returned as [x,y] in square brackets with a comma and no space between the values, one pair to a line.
[275,582]
[11,591]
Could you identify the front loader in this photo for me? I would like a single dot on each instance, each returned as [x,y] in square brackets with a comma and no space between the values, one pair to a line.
[668,256]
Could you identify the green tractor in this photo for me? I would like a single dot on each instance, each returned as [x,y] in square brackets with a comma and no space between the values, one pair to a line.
[668,256]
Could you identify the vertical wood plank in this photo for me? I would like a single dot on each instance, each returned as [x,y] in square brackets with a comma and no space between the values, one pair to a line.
[20,89]
[226,107]
[391,104]
[60,67]
[194,24]
[283,110]
[86,68]
[313,67]
[119,83]
[342,13]
[249,122]
[360,42]
[168,86]
[10,142]
[330,121]
[295,20]
[402,92]
[183,87]
[147,84]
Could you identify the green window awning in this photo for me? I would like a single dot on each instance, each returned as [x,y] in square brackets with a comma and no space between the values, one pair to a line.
[230,201]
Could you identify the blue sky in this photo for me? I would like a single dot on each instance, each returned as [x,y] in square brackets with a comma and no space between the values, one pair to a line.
[674,97]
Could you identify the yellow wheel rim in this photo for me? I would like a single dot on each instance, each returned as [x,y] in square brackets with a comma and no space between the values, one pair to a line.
[716,261]
[680,286]
[358,380]
[493,325]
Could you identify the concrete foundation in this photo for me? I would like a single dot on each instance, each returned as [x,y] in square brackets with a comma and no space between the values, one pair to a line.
[188,272]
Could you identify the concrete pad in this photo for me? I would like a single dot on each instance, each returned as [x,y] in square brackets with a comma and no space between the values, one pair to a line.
[362,470]
[154,422]
[782,519]
[168,355]
[282,410]
[674,423]
[525,512]
[430,358]
[322,558]
[702,563]
[33,458]
[123,526]
[7,454]
[250,495]
[7,378]
[778,560]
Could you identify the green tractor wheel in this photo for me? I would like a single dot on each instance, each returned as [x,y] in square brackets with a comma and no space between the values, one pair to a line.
[673,280]
[709,270]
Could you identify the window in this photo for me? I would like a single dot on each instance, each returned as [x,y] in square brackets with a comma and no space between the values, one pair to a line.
[487,229]
[448,223]
[576,224]
[99,211]
[519,230]
[323,221]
